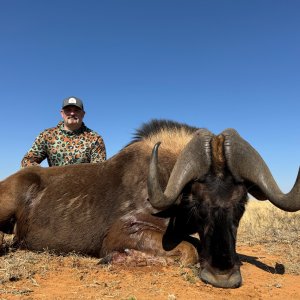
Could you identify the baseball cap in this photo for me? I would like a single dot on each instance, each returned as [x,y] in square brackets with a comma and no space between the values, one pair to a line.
[72,101]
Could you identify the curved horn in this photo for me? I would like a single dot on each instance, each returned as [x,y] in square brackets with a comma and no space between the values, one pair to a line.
[193,163]
[244,162]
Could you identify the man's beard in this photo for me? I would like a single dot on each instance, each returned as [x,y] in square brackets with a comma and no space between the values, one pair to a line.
[72,120]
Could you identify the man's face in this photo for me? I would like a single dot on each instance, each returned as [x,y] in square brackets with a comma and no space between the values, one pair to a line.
[72,116]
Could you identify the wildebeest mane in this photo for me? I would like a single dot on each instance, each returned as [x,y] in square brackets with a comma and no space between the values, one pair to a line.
[173,135]
[155,126]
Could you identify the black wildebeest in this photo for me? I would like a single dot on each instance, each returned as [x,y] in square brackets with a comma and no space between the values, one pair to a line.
[153,203]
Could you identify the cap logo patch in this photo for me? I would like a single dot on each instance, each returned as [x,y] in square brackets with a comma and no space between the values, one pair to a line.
[72,100]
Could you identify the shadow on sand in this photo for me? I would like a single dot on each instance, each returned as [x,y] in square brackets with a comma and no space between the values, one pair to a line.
[277,269]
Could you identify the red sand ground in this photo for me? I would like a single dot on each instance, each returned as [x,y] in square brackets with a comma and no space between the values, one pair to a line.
[83,278]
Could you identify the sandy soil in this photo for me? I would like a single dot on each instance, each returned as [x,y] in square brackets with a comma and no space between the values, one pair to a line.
[27,275]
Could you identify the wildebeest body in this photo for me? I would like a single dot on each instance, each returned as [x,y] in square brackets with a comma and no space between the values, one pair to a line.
[73,208]
[148,201]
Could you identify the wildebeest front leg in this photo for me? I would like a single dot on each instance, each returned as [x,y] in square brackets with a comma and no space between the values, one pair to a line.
[145,244]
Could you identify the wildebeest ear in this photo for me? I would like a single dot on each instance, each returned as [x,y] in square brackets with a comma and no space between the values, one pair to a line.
[167,213]
[255,191]
[171,238]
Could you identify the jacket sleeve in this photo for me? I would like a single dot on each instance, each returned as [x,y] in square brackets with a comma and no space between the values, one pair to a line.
[98,151]
[37,153]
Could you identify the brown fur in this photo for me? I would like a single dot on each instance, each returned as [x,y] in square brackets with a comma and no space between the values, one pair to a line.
[218,158]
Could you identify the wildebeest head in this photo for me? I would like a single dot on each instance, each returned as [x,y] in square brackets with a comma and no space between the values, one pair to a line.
[206,194]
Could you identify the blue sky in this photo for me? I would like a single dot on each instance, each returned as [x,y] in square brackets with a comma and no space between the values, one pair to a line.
[213,64]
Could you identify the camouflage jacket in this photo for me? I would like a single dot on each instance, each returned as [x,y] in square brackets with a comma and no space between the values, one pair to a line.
[62,147]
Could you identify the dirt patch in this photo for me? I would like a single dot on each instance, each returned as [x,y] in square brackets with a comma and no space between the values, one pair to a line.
[29,275]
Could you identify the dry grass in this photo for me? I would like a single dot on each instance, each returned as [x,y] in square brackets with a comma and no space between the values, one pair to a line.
[24,264]
[265,224]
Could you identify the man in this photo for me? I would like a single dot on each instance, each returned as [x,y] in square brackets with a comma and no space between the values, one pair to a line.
[70,142]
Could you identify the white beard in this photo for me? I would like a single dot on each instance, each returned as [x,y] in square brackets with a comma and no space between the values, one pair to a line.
[72,121]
